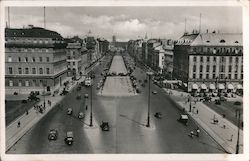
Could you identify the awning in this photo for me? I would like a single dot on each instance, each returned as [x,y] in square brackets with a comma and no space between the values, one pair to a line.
[230,86]
[221,86]
[195,86]
[203,86]
[239,86]
[211,86]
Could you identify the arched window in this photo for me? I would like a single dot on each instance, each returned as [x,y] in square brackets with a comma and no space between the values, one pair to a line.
[222,41]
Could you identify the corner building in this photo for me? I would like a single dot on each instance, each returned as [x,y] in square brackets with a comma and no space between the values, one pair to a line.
[210,62]
[35,60]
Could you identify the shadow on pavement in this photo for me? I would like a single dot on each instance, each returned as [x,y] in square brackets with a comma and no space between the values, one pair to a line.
[124,116]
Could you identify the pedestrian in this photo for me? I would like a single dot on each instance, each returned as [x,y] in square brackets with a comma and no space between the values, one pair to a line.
[191,134]
[27,112]
[197,111]
[86,107]
[198,132]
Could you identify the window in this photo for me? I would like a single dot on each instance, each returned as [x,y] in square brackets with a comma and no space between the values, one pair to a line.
[235,76]
[27,83]
[215,59]
[207,76]
[194,49]
[194,68]
[9,59]
[26,59]
[46,50]
[222,59]
[222,76]
[229,76]
[230,68]
[73,63]
[236,68]
[241,76]
[19,59]
[222,41]
[194,75]
[236,59]
[40,59]
[213,76]
[195,59]
[33,70]
[241,68]
[201,68]
[230,59]
[222,68]
[26,70]
[47,59]
[19,70]
[207,68]
[34,41]
[47,70]
[19,83]
[208,58]
[40,70]
[34,82]
[214,68]
[201,59]
[34,59]
[10,70]
[10,83]
[200,76]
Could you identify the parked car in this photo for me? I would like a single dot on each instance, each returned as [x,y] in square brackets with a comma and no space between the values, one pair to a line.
[183,119]
[53,134]
[217,102]
[69,139]
[78,96]
[223,99]
[86,96]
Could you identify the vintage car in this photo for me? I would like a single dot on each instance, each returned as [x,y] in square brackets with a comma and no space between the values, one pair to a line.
[53,134]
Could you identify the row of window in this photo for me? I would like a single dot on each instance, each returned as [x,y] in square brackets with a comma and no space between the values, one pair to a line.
[27,83]
[29,71]
[29,59]
[218,50]
[221,76]
[33,41]
[221,68]
[222,59]
[29,50]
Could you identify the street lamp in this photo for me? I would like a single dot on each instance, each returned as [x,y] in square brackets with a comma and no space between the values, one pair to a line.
[149,74]
[91,111]
[237,114]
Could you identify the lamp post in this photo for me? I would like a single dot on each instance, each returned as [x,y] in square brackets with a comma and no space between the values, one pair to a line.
[91,111]
[237,114]
[44,95]
[149,82]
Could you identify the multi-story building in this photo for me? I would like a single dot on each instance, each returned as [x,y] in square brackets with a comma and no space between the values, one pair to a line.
[103,46]
[74,57]
[35,60]
[209,62]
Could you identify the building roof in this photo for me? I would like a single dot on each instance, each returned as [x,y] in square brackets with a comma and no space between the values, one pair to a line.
[32,32]
[186,39]
[218,39]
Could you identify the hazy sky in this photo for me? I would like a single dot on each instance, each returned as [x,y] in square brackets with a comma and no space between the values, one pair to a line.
[128,22]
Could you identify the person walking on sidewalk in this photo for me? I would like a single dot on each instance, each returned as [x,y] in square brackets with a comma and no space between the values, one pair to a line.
[198,132]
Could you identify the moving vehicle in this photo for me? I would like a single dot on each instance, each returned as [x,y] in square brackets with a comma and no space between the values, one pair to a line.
[88,82]
[69,138]
[53,134]
[154,92]
[86,96]
[105,126]
[81,115]
[183,119]
[69,111]
[158,115]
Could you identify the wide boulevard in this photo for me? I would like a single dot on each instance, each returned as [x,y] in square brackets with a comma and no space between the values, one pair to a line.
[127,116]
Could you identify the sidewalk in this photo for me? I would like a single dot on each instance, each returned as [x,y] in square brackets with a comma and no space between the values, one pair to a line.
[205,117]
[14,133]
